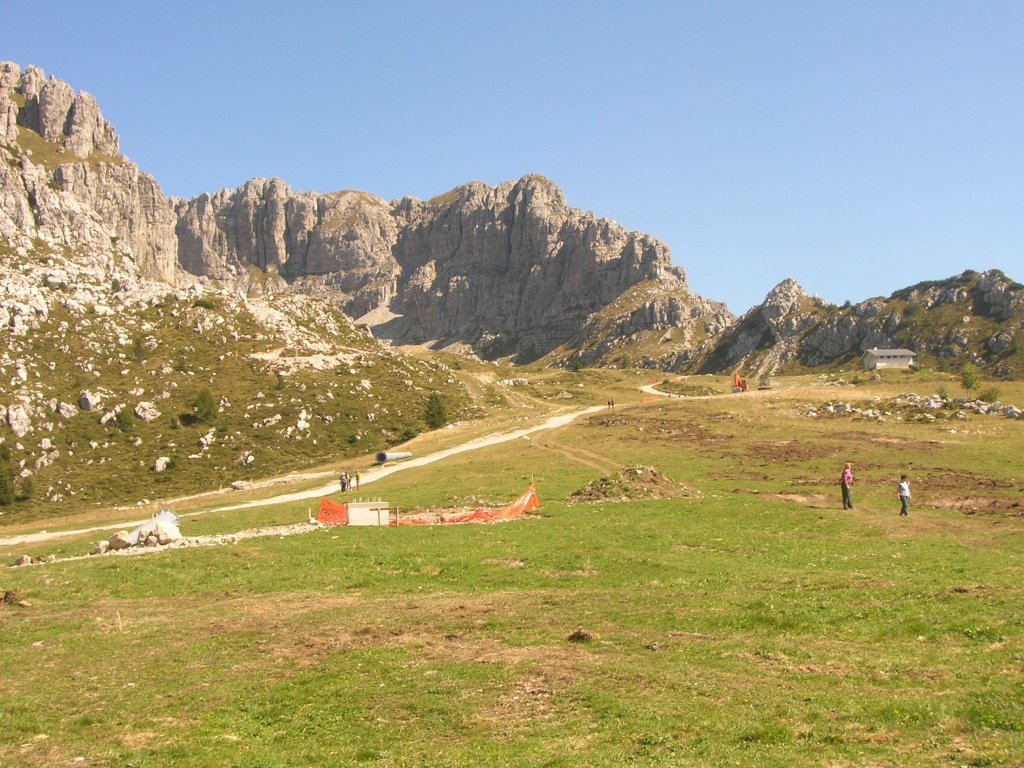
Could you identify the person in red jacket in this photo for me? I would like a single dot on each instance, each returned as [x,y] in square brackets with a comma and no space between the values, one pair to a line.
[845,481]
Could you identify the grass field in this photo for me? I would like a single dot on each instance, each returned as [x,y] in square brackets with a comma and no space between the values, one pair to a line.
[749,622]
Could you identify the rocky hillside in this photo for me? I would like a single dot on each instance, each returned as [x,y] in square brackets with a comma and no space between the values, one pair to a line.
[124,377]
[115,387]
[973,317]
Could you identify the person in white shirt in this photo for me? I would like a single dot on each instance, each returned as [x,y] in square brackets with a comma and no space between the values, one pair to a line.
[903,494]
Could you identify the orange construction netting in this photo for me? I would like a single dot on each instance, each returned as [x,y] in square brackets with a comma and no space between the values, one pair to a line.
[527,501]
[332,513]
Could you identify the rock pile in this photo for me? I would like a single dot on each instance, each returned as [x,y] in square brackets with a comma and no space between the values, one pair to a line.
[629,484]
[914,407]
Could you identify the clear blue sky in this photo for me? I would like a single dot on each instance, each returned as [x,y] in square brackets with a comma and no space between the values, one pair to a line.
[858,147]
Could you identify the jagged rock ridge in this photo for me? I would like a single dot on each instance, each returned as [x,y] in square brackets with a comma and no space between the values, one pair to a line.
[510,271]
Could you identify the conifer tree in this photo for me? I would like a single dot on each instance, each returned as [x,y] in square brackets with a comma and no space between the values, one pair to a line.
[435,415]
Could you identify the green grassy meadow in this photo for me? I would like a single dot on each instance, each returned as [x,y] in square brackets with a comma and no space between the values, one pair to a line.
[751,622]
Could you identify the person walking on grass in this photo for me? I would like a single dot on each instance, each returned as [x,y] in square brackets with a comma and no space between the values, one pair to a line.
[903,494]
[845,481]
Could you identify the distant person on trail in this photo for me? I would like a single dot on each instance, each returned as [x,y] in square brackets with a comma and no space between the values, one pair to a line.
[357,481]
[903,494]
[343,481]
[845,481]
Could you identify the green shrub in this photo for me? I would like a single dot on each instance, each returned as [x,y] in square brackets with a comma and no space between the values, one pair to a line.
[204,407]
[139,349]
[28,489]
[124,421]
[989,394]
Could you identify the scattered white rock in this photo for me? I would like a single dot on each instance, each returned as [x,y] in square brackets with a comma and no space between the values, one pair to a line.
[146,411]
[89,401]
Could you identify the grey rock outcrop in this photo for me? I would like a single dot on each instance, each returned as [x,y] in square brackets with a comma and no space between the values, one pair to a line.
[504,271]
[146,411]
[263,236]
[512,270]
[790,327]
[79,192]
[53,110]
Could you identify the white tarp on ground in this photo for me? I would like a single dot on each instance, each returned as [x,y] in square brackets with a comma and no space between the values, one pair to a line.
[163,524]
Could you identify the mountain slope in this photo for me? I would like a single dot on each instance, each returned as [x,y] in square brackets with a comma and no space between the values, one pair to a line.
[974,317]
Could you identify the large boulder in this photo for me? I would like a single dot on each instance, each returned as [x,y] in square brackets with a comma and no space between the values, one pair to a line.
[120,540]
[18,420]
[146,411]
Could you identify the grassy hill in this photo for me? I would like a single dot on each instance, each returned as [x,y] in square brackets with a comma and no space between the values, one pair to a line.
[237,390]
[748,620]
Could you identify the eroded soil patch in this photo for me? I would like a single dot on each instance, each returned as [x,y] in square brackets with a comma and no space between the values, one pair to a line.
[648,428]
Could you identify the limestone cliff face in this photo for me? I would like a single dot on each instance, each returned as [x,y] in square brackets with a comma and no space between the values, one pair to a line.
[339,242]
[63,182]
[504,271]
[512,270]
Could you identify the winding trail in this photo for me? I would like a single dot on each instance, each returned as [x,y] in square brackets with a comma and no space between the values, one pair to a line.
[368,477]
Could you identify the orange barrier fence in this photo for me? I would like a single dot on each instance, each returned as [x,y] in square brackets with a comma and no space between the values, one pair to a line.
[332,513]
[527,501]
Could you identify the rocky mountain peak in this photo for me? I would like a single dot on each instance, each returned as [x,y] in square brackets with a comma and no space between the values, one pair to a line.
[784,298]
[51,108]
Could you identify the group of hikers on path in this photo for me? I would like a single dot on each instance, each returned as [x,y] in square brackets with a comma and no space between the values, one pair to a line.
[348,483]
[902,490]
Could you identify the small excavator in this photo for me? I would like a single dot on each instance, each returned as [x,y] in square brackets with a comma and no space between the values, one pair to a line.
[738,384]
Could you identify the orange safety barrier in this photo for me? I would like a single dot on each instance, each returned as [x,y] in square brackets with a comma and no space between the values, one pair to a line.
[527,501]
[332,513]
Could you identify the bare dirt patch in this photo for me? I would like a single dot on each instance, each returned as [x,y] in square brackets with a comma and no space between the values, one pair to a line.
[970,493]
[648,428]
[856,438]
[630,484]
[790,451]
[814,499]
[973,505]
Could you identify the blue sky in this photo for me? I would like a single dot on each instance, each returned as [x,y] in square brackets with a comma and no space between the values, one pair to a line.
[857,147]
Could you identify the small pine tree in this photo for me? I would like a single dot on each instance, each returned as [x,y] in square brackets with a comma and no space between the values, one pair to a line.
[7,496]
[139,349]
[435,415]
[28,489]
[969,377]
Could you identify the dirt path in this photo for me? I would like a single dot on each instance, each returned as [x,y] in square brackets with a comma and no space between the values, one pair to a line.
[366,477]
